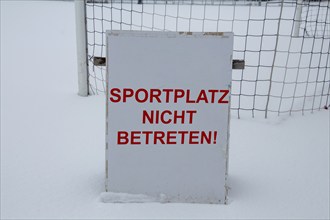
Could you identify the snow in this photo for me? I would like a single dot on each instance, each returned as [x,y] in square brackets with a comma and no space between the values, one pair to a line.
[52,140]
[114,197]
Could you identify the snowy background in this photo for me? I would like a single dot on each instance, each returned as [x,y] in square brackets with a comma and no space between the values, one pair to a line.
[52,140]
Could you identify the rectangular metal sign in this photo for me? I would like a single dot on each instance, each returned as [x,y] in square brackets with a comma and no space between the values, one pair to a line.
[168,102]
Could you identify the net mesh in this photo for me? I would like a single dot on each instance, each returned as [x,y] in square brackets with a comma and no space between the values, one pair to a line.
[285,45]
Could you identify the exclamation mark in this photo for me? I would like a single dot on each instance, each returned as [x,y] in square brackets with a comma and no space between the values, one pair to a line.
[215,137]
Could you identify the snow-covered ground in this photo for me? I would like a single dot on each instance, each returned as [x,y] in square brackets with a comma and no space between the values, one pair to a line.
[52,140]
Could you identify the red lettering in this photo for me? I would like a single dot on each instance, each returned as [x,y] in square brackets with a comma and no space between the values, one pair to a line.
[177,116]
[154,94]
[178,93]
[183,133]
[225,93]
[137,97]
[145,116]
[170,138]
[166,137]
[135,137]
[122,138]
[191,114]
[142,95]
[127,93]
[206,137]
[162,117]
[188,97]
[115,92]
[193,135]
[147,133]
[156,117]
[213,91]
[159,136]
[202,97]
[167,94]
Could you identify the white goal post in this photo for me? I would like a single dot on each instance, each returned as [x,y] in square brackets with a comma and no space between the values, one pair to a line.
[81,39]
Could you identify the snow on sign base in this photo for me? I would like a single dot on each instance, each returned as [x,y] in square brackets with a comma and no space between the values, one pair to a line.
[168,114]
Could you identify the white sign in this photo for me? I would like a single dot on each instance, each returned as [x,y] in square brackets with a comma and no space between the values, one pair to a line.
[168,106]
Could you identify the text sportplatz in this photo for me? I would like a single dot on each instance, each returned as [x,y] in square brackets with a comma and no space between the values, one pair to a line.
[169,117]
